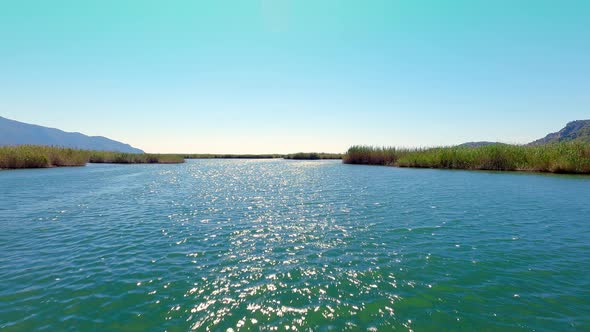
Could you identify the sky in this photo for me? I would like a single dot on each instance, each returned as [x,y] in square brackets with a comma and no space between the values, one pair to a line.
[282,76]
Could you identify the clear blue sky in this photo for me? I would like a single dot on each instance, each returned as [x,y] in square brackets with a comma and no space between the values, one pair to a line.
[285,76]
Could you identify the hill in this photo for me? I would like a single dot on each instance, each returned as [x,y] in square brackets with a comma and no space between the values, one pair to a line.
[19,133]
[574,131]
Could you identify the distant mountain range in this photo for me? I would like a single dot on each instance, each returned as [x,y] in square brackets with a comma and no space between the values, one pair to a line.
[578,131]
[20,133]
[574,131]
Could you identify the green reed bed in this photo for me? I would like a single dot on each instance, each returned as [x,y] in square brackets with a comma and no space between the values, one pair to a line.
[570,157]
[313,156]
[34,156]
[31,156]
[133,158]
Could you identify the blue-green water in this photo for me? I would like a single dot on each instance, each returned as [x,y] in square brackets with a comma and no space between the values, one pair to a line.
[274,245]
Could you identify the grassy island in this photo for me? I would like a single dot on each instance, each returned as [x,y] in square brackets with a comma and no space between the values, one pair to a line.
[568,157]
[34,156]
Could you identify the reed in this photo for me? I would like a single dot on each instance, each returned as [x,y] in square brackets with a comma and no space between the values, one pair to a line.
[134,158]
[569,157]
[32,156]
[313,156]
[35,156]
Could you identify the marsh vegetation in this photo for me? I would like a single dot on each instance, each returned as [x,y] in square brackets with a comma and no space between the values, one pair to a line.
[567,157]
[36,156]
[313,156]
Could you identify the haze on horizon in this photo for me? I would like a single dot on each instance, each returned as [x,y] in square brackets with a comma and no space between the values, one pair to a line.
[282,76]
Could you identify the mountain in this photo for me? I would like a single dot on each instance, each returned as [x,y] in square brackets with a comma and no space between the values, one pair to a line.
[574,131]
[477,144]
[19,133]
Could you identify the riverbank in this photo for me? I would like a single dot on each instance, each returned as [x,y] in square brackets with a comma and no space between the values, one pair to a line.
[34,156]
[571,157]
[133,158]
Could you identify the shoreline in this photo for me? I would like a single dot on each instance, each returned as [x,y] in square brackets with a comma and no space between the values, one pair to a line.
[492,171]
[36,156]
[558,158]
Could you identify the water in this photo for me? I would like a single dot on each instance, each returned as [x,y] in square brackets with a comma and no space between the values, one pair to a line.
[274,245]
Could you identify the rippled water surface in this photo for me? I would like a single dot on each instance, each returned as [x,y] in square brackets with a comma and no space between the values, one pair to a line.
[274,245]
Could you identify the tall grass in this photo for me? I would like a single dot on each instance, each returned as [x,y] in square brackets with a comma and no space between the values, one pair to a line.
[569,157]
[370,155]
[312,156]
[133,158]
[34,156]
